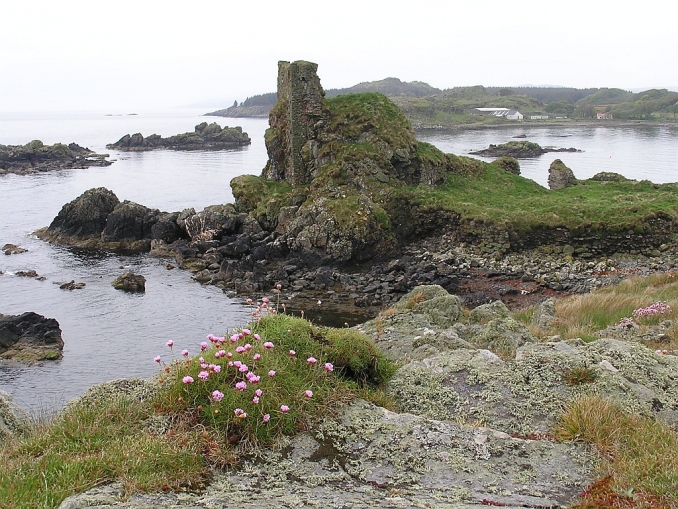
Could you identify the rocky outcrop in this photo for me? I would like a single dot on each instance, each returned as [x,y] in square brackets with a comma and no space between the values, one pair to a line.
[205,137]
[519,150]
[37,157]
[130,282]
[97,219]
[560,176]
[30,337]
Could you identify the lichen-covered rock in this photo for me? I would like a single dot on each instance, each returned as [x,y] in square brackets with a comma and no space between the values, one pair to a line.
[372,458]
[486,312]
[130,282]
[30,337]
[545,314]
[560,176]
[502,336]
[13,419]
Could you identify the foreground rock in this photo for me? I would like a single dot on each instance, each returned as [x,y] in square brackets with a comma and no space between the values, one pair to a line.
[36,157]
[205,137]
[130,282]
[30,337]
[13,419]
[560,176]
[519,150]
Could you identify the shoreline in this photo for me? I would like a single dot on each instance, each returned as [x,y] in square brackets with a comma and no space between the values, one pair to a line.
[549,124]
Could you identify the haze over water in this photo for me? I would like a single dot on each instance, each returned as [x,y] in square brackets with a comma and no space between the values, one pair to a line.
[110,334]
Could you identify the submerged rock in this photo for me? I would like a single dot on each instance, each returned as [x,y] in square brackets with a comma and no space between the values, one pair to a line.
[30,337]
[10,249]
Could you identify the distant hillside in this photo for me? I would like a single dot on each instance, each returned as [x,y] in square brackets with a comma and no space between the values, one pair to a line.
[427,106]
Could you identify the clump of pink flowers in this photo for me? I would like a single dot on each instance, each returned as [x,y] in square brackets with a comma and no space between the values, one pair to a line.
[653,310]
[228,386]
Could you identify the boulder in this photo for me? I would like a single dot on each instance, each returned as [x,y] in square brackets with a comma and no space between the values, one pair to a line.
[560,176]
[82,218]
[130,282]
[30,337]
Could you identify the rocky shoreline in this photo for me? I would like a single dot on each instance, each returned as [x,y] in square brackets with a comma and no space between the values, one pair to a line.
[35,157]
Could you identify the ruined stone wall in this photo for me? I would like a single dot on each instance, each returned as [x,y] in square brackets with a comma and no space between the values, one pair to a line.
[296,122]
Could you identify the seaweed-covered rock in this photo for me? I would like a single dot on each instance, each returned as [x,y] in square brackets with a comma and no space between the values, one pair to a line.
[130,282]
[37,157]
[30,337]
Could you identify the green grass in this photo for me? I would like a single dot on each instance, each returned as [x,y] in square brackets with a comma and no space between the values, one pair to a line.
[173,440]
[510,201]
[584,315]
[89,445]
[640,464]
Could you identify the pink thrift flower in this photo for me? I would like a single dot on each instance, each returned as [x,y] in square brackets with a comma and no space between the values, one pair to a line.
[203,346]
[234,338]
[203,365]
[329,366]
[312,360]
[230,364]
[284,408]
[308,394]
[258,392]
[257,337]
[157,359]
[268,345]
[237,364]
[249,301]
[203,375]
[266,418]
[255,379]
[246,332]
[240,349]
[238,411]
[255,400]
[202,360]
[184,353]
[170,343]
[292,353]
[188,380]
[271,373]
[243,368]
[247,347]
[217,396]
[256,357]
[216,368]
[265,300]
[241,386]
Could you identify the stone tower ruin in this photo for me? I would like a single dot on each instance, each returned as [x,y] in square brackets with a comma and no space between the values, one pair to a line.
[295,123]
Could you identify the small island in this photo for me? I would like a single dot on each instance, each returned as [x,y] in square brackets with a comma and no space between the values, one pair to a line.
[519,149]
[37,157]
[205,137]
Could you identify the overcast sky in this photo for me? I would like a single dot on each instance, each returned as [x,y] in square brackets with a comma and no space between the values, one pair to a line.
[127,55]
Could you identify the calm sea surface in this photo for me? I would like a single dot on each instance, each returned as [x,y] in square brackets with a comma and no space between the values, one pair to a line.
[110,334]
